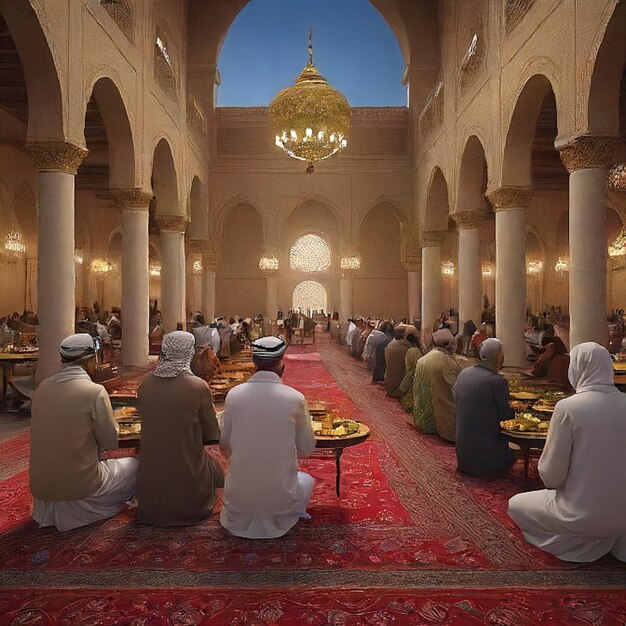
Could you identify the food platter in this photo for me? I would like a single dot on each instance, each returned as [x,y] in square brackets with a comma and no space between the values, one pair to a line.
[525,434]
[363,432]
[525,395]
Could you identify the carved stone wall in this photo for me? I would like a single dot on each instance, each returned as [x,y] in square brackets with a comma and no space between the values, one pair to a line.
[431,117]
[122,15]
[472,62]
[196,119]
[514,11]
[164,74]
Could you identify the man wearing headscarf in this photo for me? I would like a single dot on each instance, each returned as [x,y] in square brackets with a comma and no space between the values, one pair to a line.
[481,395]
[581,515]
[72,420]
[266,429]
[434,411]
[394,359]
[177,480]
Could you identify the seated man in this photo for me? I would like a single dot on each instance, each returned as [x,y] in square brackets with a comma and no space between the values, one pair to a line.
[482,402]
[581,516]
[434,411]
[177,480]
[266,428]
[71,421]
[394,358]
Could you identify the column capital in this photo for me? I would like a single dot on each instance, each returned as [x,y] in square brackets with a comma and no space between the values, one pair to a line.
[55,156]
[588,152]
[412,263]
[510,198]
[172,223]
[211,259]
[433,239]
[196,245]
[132,198]
[468,219]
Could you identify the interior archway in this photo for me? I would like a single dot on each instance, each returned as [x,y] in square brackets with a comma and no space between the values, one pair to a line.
[309,296]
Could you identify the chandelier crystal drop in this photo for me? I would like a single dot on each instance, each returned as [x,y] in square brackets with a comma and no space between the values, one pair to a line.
[310,119]
[447,268]
[101,266]
[561,267]
[13,243]
[350,263]
[488,271]
[268,264]
[197,267]
[618,247]
[534,268]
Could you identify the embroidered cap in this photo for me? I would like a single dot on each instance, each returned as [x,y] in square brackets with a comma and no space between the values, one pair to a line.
[269,348]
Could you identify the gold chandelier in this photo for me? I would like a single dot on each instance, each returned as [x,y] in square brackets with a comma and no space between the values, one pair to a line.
[310,119]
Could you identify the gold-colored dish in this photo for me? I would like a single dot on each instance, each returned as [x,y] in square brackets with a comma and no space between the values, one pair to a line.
[524,395]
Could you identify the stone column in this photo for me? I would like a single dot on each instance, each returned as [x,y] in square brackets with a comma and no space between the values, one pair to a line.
[510,205]
[271,295]
[195,274]
[587,160]
[135,277]
[172,238]
[413,267]
[57,164]
[470,271]
[211,261]
[346,296]
[431,281]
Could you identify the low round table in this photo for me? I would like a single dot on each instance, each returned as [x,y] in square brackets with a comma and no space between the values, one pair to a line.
[339,444]
[527,441]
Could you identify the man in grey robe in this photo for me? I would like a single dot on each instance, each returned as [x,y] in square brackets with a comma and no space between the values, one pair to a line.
[394,358]
[482,402]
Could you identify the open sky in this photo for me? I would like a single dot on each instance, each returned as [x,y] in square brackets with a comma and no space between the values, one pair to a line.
[354,49]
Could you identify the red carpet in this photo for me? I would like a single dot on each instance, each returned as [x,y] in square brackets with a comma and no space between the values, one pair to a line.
[372,607]
[405,518]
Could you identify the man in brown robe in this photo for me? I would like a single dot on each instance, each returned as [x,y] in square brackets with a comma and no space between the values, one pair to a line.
[177,480]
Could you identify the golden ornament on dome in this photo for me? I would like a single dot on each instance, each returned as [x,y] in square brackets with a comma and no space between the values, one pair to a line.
[310,119]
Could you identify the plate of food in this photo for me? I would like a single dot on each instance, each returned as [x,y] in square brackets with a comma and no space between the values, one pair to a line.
[526,423]
[525,395]
[340,428]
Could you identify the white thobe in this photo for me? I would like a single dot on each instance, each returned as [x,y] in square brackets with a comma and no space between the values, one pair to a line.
[266,428]
[350,333]
[581,516]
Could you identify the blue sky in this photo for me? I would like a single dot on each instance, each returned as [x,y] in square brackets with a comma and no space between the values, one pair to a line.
[354,48]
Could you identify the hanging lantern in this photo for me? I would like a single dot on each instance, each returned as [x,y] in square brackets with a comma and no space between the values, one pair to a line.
[155,270]
[562,267]
[101,266]
[268,264]
[13,243]
[447,268]
[534,268]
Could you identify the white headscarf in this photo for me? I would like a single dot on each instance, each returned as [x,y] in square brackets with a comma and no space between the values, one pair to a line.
[591,368]
[177,350]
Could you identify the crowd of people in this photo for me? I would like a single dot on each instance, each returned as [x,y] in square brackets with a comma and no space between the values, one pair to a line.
[579,516]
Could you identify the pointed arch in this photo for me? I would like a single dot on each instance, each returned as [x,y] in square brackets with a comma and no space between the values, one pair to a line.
[517,161]
[165,180]
[437,206]
[607,71]
[45,97]
[473,177]
[197,212]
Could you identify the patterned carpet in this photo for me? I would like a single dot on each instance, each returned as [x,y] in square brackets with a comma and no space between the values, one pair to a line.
[405,521]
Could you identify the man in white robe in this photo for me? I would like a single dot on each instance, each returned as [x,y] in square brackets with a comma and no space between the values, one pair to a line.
[581,516]
[266,428]
[72,420]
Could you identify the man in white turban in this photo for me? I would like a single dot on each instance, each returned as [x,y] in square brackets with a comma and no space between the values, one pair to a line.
[482,402]
[266,428]
[581,515]
[434,411]
[72,421]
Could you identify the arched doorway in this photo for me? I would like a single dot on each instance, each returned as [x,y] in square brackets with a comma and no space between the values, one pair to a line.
[309,296]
